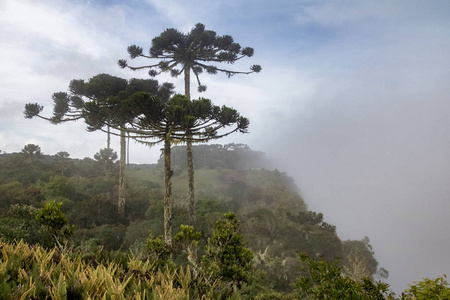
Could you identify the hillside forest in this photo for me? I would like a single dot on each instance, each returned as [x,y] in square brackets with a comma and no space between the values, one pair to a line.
[273,220]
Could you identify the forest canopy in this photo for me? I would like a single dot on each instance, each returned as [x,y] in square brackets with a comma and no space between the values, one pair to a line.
[273,217]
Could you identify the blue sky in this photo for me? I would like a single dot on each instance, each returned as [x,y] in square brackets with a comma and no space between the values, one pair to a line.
[352,100]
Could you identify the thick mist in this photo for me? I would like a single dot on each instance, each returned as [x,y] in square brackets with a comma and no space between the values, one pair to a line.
[374,159]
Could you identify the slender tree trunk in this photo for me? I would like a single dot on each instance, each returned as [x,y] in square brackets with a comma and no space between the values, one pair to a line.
[108,139]
[190,159]
[123,142]
[187,82]
[128,150]
[190,170]
[167,192]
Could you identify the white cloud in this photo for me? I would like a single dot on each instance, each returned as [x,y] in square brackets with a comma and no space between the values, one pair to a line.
[39,25]
[346,12]
[184,15]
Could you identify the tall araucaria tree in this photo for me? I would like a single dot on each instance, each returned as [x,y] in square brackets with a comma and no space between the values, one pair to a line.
[70,106]
[31,151]
[179,53]
[149,118]
[94,89]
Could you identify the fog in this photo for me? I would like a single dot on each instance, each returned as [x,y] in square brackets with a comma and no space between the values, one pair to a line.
[378,168]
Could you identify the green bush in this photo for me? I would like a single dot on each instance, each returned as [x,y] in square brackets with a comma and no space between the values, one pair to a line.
[429,289]
[159,252]
[227,256]
[55,221]
[324,280]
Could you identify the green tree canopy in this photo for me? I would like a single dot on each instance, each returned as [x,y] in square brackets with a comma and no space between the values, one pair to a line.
[323,280]
[199,50]
[105,90]
[179,53]
[107,156]
[102,88]
[150,120]
[226,253]
[56,222]
[31,151]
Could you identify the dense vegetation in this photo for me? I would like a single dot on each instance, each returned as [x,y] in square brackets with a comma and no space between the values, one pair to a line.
[251,225]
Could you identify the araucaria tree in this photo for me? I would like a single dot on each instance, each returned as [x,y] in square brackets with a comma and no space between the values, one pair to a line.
[31,151]
[151,121]
[197,51]
[105,89]
[102,88]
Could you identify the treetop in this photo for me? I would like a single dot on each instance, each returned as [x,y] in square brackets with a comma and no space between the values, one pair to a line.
[197,50]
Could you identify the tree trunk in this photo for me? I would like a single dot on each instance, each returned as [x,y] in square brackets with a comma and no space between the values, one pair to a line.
[187,82]
[128,150]
[167,192]
[190,159]
[190,170]
[108,139]
[121,204]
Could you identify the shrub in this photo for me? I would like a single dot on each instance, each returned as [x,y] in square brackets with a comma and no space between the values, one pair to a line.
[226,254]
[324,280]
[429,289]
